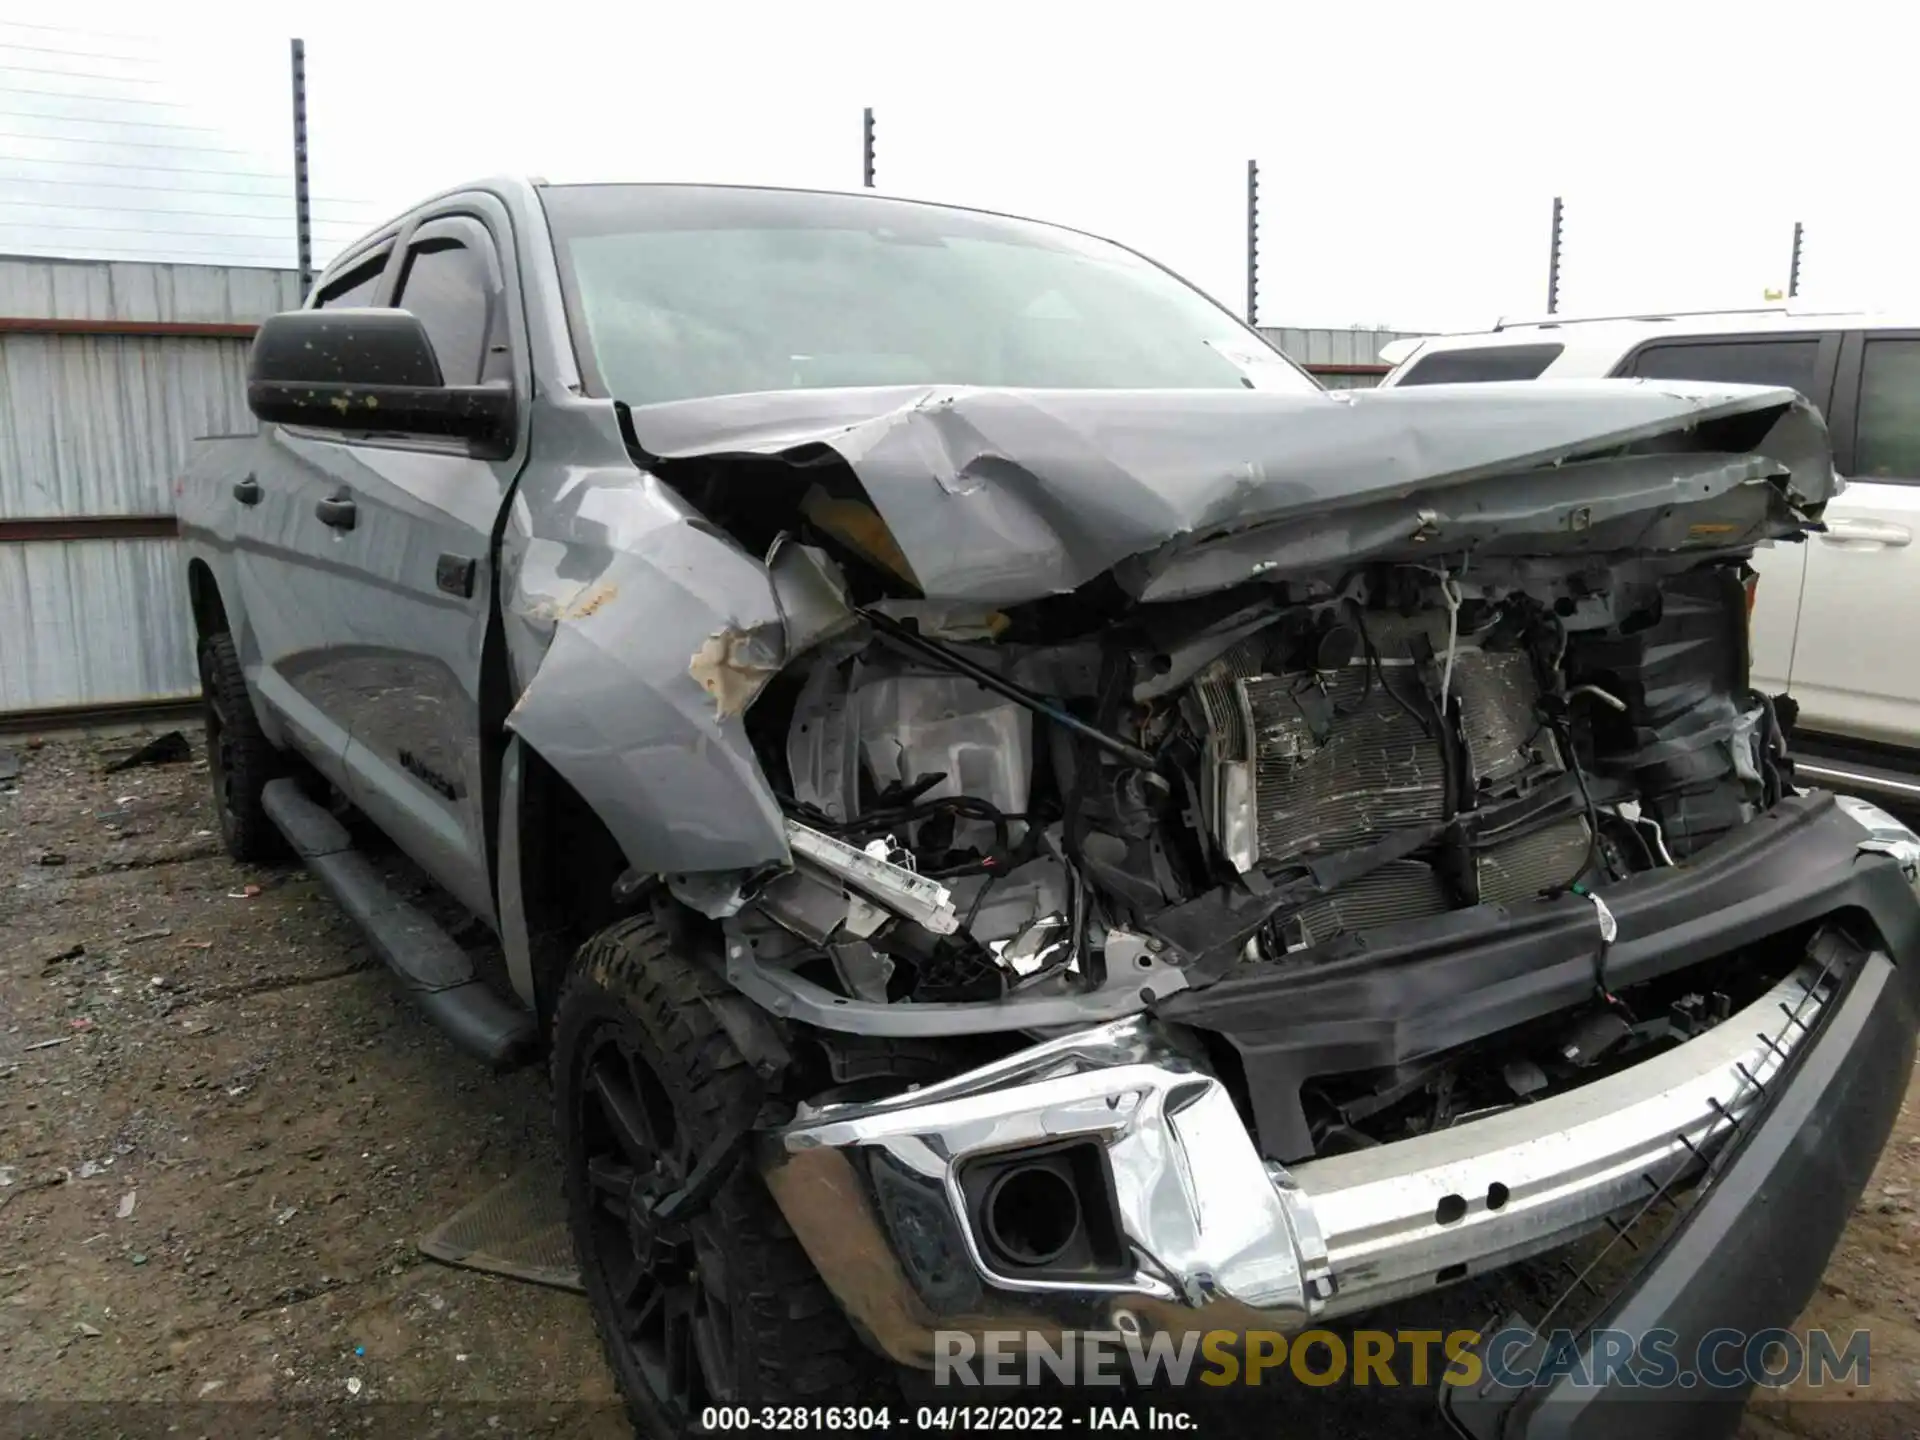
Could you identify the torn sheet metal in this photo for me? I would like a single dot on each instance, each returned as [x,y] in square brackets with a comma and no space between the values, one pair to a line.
[1003,496]
[608,614]
[734,665]
[812,595]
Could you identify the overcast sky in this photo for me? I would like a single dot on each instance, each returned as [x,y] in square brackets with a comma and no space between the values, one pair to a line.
[1409,152]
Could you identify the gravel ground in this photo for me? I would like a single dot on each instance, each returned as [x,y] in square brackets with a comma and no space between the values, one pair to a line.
[222,1133]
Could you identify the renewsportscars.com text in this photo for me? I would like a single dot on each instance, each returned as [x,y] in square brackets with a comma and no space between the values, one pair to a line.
[1725,1359]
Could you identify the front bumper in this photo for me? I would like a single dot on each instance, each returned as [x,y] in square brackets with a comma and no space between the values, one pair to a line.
[1746,1256]
[1217,1237]
[1221,1238]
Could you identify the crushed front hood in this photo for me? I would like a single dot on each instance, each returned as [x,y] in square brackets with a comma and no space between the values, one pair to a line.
[1004,496]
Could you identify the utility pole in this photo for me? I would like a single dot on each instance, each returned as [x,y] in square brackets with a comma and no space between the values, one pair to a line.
[866,147]
[1553,263]
[1793,268]
[302,196]
[1253,242]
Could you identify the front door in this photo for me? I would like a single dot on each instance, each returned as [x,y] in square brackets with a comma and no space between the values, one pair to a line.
[1856,665]
[293,563]
[425,511]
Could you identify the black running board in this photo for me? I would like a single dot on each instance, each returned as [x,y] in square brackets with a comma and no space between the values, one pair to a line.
[438,974]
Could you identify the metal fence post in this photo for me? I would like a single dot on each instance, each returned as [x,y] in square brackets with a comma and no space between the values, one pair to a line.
[1253,242]
[302,196]
[1553,263]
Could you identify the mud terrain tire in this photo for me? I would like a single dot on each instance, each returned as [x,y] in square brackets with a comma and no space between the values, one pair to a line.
[752,1323]
[240,761]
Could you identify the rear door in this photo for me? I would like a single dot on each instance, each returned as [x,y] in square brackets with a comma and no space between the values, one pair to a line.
[424,516]
[288,563]
[1856,668]
[1804,361]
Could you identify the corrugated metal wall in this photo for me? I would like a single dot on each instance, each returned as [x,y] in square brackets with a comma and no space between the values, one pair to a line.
[1339,359]
[99,424]
[103,290]
[93,622]
[94,426]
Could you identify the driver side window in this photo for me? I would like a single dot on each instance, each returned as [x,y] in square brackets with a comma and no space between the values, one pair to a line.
[446,286]
[452,283]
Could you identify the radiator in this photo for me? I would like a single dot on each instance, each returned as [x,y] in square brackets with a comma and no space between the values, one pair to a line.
[1276,793]
[1403,890]
[1521,868]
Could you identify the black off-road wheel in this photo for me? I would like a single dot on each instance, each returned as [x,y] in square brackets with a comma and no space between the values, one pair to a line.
[722,1307]
[240,761]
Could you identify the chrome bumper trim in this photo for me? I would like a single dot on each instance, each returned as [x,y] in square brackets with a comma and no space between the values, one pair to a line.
[1221,1237]
[1560,1167]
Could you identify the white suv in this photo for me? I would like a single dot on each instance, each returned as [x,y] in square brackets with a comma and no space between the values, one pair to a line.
[1830,623]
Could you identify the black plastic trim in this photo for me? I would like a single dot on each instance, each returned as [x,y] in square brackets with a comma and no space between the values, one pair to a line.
[1422,987]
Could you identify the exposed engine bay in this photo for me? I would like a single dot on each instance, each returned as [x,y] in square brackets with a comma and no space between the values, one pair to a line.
[1059,708]
[986,805]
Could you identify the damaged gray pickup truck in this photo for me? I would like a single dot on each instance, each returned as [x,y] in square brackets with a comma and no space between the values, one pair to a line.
[1008,807]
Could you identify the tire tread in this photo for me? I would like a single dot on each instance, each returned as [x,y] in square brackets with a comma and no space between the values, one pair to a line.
[793,1343]
[248,831]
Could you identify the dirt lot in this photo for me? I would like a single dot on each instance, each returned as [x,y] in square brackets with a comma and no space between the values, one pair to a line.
[222,1134]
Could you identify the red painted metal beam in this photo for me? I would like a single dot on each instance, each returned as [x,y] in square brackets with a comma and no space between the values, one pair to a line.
[151,329]
[88,527]
[167,709]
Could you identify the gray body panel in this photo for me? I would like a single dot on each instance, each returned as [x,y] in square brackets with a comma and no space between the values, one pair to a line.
[289,586]
[416,760]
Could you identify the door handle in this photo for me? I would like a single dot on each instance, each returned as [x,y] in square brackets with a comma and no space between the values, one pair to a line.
[247,491]
[1866,532]
[338,511]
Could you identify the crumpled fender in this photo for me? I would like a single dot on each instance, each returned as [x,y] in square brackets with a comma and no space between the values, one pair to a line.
[637,634]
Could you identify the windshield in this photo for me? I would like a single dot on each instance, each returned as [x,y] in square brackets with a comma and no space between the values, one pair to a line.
[683,291]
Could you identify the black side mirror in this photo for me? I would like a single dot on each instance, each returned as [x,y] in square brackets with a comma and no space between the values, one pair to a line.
[368,371]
